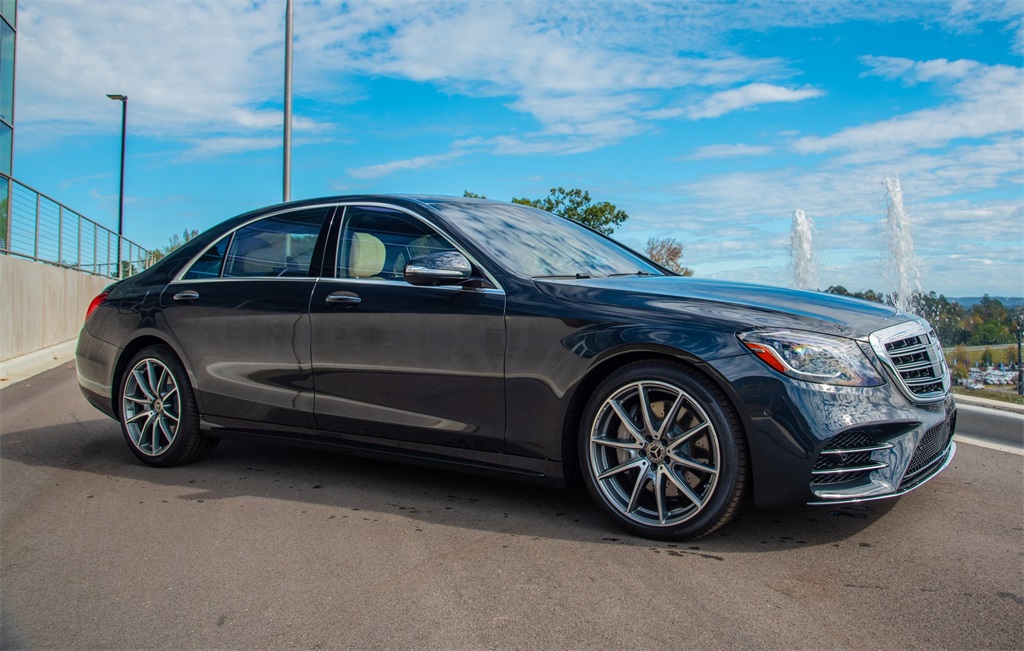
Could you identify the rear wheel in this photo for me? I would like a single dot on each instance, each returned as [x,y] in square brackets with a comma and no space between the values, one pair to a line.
[662,451]
[158,412]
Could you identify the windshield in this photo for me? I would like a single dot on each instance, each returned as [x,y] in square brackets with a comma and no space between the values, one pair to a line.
[534,243]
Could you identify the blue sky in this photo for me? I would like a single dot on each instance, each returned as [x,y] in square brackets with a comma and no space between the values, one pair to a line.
[710,122]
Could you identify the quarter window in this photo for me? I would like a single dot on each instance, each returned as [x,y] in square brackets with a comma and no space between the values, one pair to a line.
[209,263]
[379,242]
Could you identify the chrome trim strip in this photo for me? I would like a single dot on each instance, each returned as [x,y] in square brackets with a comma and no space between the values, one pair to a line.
[874,448]
[848,469]
[262,279]
[402,283]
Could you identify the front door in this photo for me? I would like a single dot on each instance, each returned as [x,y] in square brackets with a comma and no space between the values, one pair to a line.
[397,361]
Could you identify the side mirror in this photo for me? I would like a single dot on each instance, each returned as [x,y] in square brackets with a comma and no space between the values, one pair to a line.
[440,268]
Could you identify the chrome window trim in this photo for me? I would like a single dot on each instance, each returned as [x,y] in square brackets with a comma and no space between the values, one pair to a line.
[188,267]
[186,281]
[376,204]
[391,283]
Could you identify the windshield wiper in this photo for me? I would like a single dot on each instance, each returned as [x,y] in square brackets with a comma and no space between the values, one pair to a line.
[633,273]
[577,276]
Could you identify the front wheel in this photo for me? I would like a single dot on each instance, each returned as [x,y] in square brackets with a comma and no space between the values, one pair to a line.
[662,451]
[158,412]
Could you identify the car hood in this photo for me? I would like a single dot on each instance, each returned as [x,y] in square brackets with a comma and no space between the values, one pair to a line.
[724,303]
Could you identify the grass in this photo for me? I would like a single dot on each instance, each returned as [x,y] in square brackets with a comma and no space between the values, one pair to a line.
[1003,395]
[999,353]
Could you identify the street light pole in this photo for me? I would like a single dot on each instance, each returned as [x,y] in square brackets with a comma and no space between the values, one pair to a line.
[288,102]
[120,200]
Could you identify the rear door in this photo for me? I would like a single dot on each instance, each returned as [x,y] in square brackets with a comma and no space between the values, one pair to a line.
[241,314]
[396,361]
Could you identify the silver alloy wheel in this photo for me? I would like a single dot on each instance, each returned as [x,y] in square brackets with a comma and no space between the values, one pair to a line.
[654,453]
[151,406]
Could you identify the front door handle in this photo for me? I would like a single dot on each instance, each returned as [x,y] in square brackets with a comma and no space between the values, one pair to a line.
[186,296]
[348,299]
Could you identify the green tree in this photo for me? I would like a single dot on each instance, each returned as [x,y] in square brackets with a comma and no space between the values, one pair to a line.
[961,355]
[838,290]
[990,309]
[990,332]
[668,252]
[986,357]
[173,243]
[944,316]
[959,372]
[176,241]
[867,294]
[472,195]
[577,205]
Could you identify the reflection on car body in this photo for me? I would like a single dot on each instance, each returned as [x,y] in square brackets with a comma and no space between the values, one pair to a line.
[500,339]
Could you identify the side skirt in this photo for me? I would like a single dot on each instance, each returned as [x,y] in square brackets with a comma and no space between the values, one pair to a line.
[489,464]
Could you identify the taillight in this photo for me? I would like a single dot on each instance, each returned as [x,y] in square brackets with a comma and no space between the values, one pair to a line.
[96,302]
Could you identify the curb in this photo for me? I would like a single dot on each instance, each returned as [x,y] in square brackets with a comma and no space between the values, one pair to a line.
[990,404]
[23,367]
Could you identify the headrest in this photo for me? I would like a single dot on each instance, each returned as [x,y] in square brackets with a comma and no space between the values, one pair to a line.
[365,256]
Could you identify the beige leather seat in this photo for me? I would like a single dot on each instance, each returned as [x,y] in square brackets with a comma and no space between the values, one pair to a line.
[366,256]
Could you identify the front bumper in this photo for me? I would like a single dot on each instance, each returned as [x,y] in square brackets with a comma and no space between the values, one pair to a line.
[884,468]
[817,444]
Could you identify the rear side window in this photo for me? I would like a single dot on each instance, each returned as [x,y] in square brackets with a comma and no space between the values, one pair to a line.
[278,246]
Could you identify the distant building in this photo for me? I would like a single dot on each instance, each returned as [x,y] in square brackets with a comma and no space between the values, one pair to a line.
[8,36]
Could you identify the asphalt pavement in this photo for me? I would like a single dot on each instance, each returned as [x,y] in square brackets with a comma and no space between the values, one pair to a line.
[259,546]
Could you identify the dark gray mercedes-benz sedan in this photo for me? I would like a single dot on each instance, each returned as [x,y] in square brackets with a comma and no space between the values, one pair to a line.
[495,338]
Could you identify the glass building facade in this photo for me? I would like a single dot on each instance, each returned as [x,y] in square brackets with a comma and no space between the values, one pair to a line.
[8,35]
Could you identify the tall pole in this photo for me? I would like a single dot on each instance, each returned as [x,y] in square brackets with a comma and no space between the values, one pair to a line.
[120,201]
[1020,365]
[288,102]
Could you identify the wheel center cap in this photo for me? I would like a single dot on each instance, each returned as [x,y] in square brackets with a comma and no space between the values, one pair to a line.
[656,452]
[158,406]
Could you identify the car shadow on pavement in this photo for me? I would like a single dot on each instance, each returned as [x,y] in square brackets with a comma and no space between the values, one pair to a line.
[351,486]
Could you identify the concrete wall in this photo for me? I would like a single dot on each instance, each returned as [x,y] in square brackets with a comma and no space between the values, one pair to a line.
[42,305]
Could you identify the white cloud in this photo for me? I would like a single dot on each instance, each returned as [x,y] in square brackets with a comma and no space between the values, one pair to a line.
[212,147]
[727,151]
[577,73]
[71,54]
[419,162]
[986,101]
[748,96]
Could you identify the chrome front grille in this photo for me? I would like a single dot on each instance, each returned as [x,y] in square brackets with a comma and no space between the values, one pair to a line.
[913,356]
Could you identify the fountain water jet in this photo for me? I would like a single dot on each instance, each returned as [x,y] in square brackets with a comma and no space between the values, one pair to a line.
[800,240]
[901,245]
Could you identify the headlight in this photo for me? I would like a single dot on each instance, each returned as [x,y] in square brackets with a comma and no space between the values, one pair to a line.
[813,357]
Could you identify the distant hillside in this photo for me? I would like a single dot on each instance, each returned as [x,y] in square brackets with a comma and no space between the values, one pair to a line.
[970,301]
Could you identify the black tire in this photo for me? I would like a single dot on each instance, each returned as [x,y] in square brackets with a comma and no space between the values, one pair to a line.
[680,472]
[158,413]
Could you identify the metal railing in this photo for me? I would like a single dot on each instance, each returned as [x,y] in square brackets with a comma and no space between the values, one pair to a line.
[38,227]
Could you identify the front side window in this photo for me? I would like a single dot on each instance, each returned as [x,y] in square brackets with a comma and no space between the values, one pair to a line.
[378,243]
[278,246]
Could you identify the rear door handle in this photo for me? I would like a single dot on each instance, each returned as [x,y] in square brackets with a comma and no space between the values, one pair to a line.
[348,299]
[188,295]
